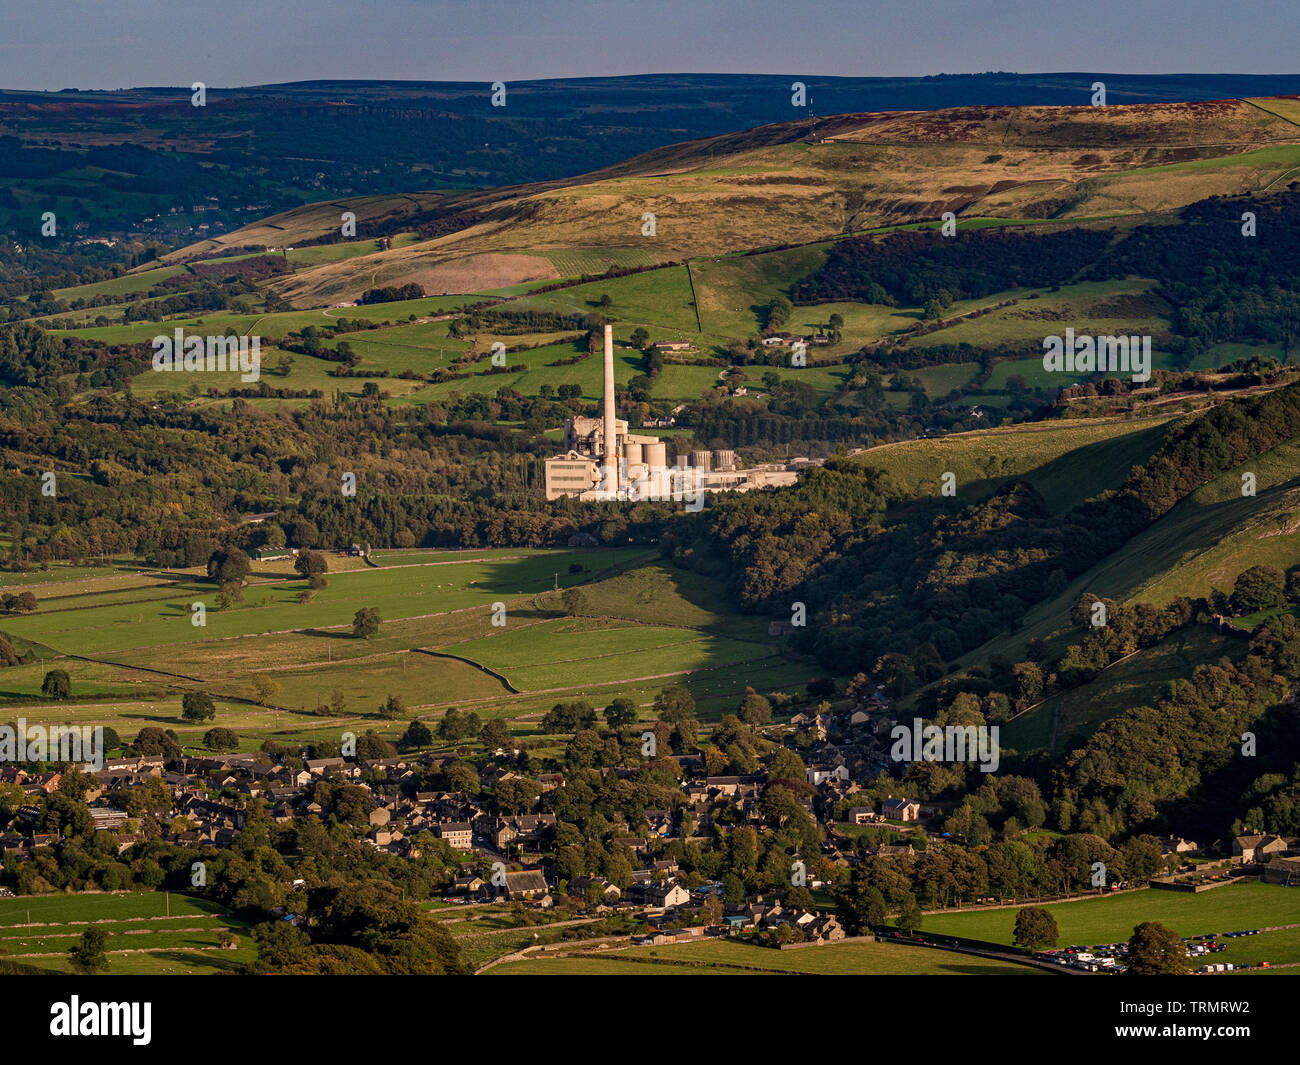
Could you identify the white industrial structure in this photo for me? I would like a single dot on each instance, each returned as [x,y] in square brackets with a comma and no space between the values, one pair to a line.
[603,461]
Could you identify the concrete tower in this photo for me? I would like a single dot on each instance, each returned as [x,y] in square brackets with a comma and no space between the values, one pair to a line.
[609,460]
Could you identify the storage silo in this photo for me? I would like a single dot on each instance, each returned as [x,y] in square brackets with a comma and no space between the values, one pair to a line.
[656,455]
[724,460]
[701,460]
[609,422]
[634,471]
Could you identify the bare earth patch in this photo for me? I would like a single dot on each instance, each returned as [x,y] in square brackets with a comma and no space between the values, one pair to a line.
[481,272]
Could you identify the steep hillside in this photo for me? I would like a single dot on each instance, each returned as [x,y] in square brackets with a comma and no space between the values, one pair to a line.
[1201,545]
[1066,461]
[798,182]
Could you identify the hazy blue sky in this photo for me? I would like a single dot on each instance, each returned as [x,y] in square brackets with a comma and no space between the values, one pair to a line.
[52,44]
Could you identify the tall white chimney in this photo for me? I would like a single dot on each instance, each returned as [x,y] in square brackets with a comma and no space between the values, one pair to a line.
[610,458]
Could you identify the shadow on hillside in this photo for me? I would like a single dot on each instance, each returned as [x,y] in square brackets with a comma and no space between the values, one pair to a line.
[264,576]
[164,719]
[532,613]
[699,590]
[1063,480]
[1066,480]
[224,961]
[534,574]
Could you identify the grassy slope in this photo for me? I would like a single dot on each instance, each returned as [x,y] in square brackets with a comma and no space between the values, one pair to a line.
[142,939]
[1091,922]
[770,185]
[1067,461]
[1066,720]
[1203,543]
[662,629]
[721,957]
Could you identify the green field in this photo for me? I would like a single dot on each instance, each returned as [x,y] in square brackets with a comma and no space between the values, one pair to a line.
[277,324]
[1276,948]
[1068,461]
[659,298]
[58,572]
[649,627]
[1203,543]
[659,592]
[732,291]
[1222,354]
[306,374]
[1065,721]
[546,655]
[118,286]
[127,620]
[580,262]
[588,374]
[149,933]
[1091,922]
[1035,376]
[332,253]
[1098,308]
[729,958]
[938,381]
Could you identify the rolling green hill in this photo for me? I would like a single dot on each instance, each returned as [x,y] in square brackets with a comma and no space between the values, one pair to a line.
[782,184]
[129,645]
[1068,461]
[1202,544]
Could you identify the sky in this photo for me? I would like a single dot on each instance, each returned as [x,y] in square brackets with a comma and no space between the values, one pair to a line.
[55,44]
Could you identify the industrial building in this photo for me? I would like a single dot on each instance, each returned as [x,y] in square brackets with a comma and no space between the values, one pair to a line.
[602,460]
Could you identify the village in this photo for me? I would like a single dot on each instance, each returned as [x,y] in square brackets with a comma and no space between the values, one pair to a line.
[500,851]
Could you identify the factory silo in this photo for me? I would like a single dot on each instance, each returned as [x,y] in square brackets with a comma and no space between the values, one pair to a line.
[609,460]
[634,471]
